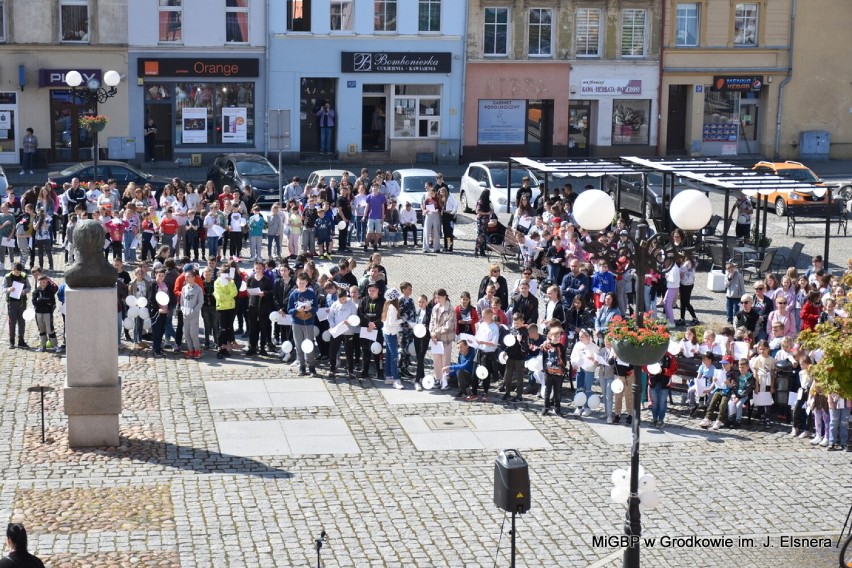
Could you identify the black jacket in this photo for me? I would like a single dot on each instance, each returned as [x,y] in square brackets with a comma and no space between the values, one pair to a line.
[370,310]
[502,290]
[527,307]
[264,304]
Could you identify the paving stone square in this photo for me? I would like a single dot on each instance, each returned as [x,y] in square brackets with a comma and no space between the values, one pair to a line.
[285,437]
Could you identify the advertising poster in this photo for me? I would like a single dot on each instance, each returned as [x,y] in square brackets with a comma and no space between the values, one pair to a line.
[502,121]
[234,125]
[194,122]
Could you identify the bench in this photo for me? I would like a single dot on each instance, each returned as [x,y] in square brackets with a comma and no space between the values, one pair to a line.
[687,368]
[510,249]
[814,213]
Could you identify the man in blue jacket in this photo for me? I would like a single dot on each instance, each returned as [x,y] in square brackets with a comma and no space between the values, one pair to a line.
[575,283]
[302,306]
[463,370]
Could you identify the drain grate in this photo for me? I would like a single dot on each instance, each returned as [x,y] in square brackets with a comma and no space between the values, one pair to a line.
[448,423]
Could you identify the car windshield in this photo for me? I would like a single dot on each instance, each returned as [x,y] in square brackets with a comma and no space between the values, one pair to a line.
[416,184]
[498,176]
[256,168]
[803,174]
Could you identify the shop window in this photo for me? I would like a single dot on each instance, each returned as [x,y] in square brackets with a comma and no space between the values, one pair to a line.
[633,30]
[496,31]
[341,15]
[745,24]
[588,37]
[540,32]
[385,16]
[236,21]
[630,121]
[686,24]
[298,15]
[2,21]
[212,113]
[417,111]
[74,20]
[171,20]
[429,16]
[720,116]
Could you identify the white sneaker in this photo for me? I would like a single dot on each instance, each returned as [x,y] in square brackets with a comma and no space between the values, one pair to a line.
[804,435]
[816,440]
[793,433]
[57,349]
[444,384]
[716,425]
[824,442]
[398,385]
[388,381]
[418,387]
[705,423]
[587,412]
[578,411]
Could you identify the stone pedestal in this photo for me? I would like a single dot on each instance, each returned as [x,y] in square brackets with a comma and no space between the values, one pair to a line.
[92,393]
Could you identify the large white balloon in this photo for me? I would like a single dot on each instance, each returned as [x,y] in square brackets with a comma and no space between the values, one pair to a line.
[308,346]
[428,382]
[579,399]
[162,298]
[649,500]
[509,340]
[141,302]
[674,347]
[326,336]
[534,364]
[655,369]
[420,330]
[29,314]
[411,350]
[353,320]
[316,331]
[691,210]
[617,386]
[503,357]
[243,286]
[593,209]
[481,372]
[594,402]
[274,317]
[287,346]
[133,312]
[130,301]
[376,347]
[620,477]
[647,483]
[620,493]
[129,323]
[341,225]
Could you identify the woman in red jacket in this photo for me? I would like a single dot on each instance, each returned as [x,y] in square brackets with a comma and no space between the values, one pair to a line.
[466,315]
[811,310]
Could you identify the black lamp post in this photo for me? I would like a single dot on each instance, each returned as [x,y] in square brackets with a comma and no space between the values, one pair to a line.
[594,210]
[93,93]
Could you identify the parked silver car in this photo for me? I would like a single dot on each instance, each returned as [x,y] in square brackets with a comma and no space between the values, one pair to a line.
[412,187]
[493,176]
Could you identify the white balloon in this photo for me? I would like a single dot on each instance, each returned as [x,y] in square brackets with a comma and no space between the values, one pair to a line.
[353,320]
[649,500]
[376,347]
[308,346]
[130,301]
[420,330]
[287,346]
[587,364]
[481,372]
[141,302]
[647,483]
[620,477]
[243,286]
[655,369]
[579,399]
[326,336]
[133,312]
[274,317]
[594,402]
[316,331]
[162,298]
[411,350]
[129,323]
[674,347]
[617,386]
[145,315]
[29,314]
[534,364]
[341,225]
[509,340]
[428,382]
[620,494]
[503,357]
[146,325]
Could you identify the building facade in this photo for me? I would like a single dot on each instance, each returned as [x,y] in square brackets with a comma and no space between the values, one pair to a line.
[562,77]
[391,70]
[198,71]
[40,41]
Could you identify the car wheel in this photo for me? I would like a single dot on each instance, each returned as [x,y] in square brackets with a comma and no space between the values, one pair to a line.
[846,193]
[464,205]
[780,207]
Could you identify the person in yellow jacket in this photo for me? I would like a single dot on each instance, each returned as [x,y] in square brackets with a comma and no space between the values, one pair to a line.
[225,292]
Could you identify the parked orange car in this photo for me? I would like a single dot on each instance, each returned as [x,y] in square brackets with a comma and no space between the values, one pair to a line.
[794,171]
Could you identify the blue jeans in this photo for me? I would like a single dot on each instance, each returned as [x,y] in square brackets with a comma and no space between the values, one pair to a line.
[212,246]
[585,380]
[838,428]
[606,390]
[273,239]
[733,305]
[325,138]
[391,356]
[360,227]
[659,402]
[129,252]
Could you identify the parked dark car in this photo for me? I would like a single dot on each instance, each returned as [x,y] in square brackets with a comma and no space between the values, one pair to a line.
[237,170]
[107,169]
[631,193]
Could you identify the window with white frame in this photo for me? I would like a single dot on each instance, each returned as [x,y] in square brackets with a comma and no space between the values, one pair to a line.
[588,32]
[633,32]
[429,16]
[745,24]
[236,21]
[496,31]
[74,20]
[342,15]
[540,32]
[2,21]
[171,21]
[298,15]
[385,16]
[416,111]
[686,24]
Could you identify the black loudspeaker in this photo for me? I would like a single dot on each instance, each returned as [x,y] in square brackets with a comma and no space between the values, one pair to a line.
[511,482]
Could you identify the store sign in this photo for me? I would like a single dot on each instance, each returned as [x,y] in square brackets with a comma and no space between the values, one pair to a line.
[610,87]
[395,62]
[187,67]
[741,84]
[502,121]
[56,77]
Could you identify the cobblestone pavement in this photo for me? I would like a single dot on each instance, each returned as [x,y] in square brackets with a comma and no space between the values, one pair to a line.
[167,496]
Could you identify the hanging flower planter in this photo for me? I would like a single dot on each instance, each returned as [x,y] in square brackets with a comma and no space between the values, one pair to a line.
[94,123]
[636,345]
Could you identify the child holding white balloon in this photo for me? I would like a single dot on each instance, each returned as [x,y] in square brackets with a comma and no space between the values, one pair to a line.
[584,360]
[553,355]
[338,314]
[606,376]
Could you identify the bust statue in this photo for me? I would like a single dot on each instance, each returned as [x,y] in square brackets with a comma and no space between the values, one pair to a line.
[91,268]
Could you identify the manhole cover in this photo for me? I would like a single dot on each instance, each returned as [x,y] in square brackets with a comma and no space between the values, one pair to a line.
[447,423]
